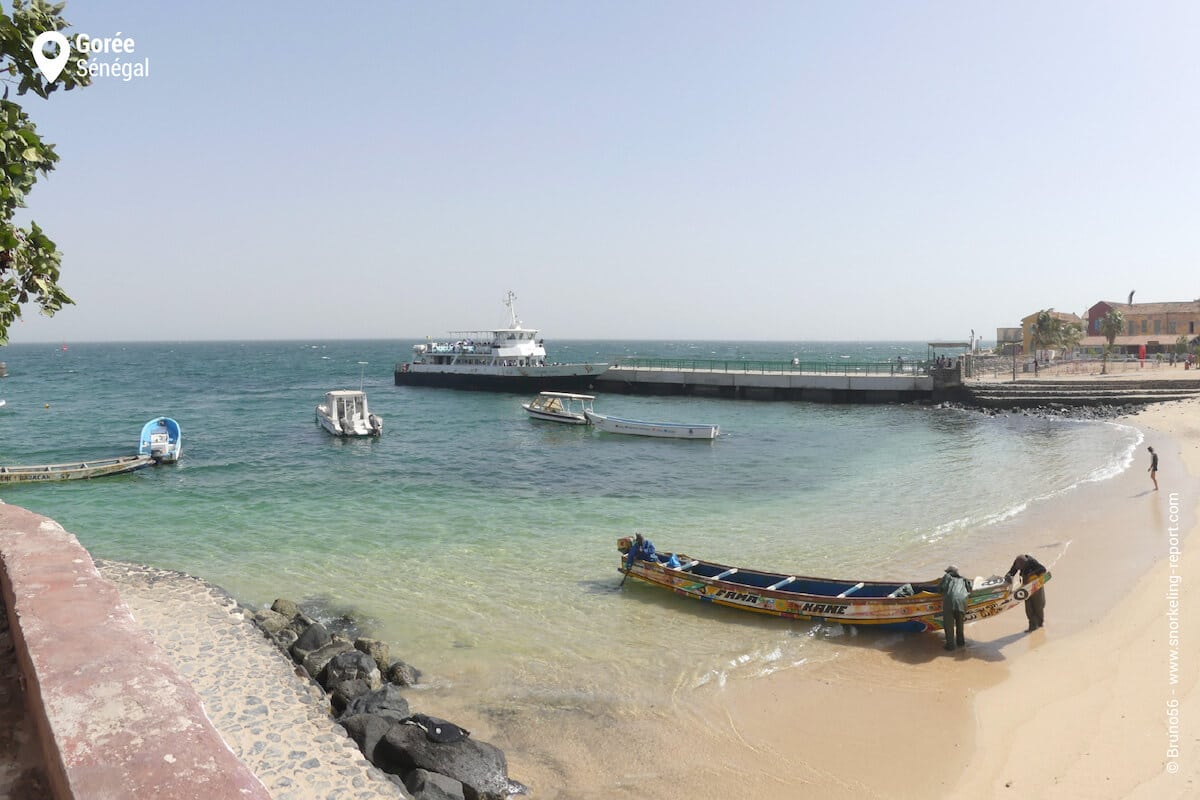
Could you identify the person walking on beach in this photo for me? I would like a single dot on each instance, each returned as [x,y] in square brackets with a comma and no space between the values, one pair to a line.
[954,589]
[1035,604]
[1153,467]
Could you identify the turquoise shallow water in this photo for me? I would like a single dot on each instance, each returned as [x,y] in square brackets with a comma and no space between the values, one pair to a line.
[482,543]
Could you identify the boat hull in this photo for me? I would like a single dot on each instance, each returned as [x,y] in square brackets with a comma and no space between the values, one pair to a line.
[566,419]
[826,601]
[358,427]
[660,430]
[518,380]
[79,470]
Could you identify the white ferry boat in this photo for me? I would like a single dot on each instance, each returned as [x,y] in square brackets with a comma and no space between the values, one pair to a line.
[511,359]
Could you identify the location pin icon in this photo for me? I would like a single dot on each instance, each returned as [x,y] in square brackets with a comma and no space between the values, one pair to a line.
[51,67]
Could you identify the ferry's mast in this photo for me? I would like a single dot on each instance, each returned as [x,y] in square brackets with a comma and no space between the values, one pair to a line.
[509,297]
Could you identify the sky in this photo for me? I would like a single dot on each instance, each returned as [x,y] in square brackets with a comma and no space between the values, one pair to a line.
[631,170]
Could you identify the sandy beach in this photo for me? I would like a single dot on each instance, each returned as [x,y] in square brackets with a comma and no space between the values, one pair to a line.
[1086,707]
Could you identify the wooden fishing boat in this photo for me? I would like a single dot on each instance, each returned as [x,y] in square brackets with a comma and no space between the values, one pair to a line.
[662,430]
[560,407]
[77,470]
[887,605]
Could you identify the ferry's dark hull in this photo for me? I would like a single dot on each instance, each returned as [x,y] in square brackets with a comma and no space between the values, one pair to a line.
[519,381]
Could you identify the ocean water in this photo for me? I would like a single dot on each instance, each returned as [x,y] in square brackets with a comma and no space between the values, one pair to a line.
[481,543]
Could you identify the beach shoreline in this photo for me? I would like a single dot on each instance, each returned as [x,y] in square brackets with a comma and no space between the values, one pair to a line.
[1077,709]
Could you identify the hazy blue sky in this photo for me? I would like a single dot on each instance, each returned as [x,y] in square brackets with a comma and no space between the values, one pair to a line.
[799,170]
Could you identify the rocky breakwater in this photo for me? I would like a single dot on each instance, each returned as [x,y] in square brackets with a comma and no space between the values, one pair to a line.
[434,759]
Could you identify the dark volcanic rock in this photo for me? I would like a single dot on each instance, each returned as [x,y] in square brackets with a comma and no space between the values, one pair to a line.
[377,650]
[350,665]
[403,674]
[385,702]
[425,785]
[480,767]
[342,692]
[366,730]
[314,637]
[316,661]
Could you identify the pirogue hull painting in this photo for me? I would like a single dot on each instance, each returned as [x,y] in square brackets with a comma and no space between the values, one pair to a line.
[918,612]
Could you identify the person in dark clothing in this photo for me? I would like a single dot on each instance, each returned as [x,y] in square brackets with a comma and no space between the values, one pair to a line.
[954,589]
[1035,604]
[1153,467]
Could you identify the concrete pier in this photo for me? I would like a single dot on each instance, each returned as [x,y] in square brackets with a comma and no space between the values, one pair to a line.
[831,383]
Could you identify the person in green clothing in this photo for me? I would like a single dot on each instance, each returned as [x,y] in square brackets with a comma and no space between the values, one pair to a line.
[954,589]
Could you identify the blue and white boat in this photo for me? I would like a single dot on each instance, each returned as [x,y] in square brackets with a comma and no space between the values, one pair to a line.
[161,440]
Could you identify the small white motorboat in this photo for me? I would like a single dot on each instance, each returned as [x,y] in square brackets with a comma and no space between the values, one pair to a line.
[345,413]
[662,430]
[162,440]
[560,407]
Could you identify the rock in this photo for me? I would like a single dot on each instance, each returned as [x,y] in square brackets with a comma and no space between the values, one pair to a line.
[403,674]
[366,730]
[480,767]
[377,650]
[342,692]
[270,621]
[285,608]
[350,665]
[285,639]
[314,637]
[316,661]
[300,623]
[425,785]
[385,702]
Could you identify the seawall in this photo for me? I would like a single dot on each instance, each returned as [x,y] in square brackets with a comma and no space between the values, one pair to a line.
[112,716]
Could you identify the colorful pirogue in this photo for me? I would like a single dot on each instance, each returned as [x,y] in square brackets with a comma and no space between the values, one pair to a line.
[890,606]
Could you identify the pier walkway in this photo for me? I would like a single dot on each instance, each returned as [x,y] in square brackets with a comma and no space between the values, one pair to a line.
[840,381]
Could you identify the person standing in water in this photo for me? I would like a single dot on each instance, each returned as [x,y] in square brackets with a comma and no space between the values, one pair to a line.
[1153,467]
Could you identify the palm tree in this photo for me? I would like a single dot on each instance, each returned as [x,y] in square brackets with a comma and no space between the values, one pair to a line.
[1110,328]
[1070,335]
[1046,331]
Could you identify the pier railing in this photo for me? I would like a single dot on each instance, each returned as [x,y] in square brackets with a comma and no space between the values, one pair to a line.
[837,367]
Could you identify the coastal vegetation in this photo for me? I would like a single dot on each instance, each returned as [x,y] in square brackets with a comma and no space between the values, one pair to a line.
[29,259]
[1049,332]
[1110,328]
